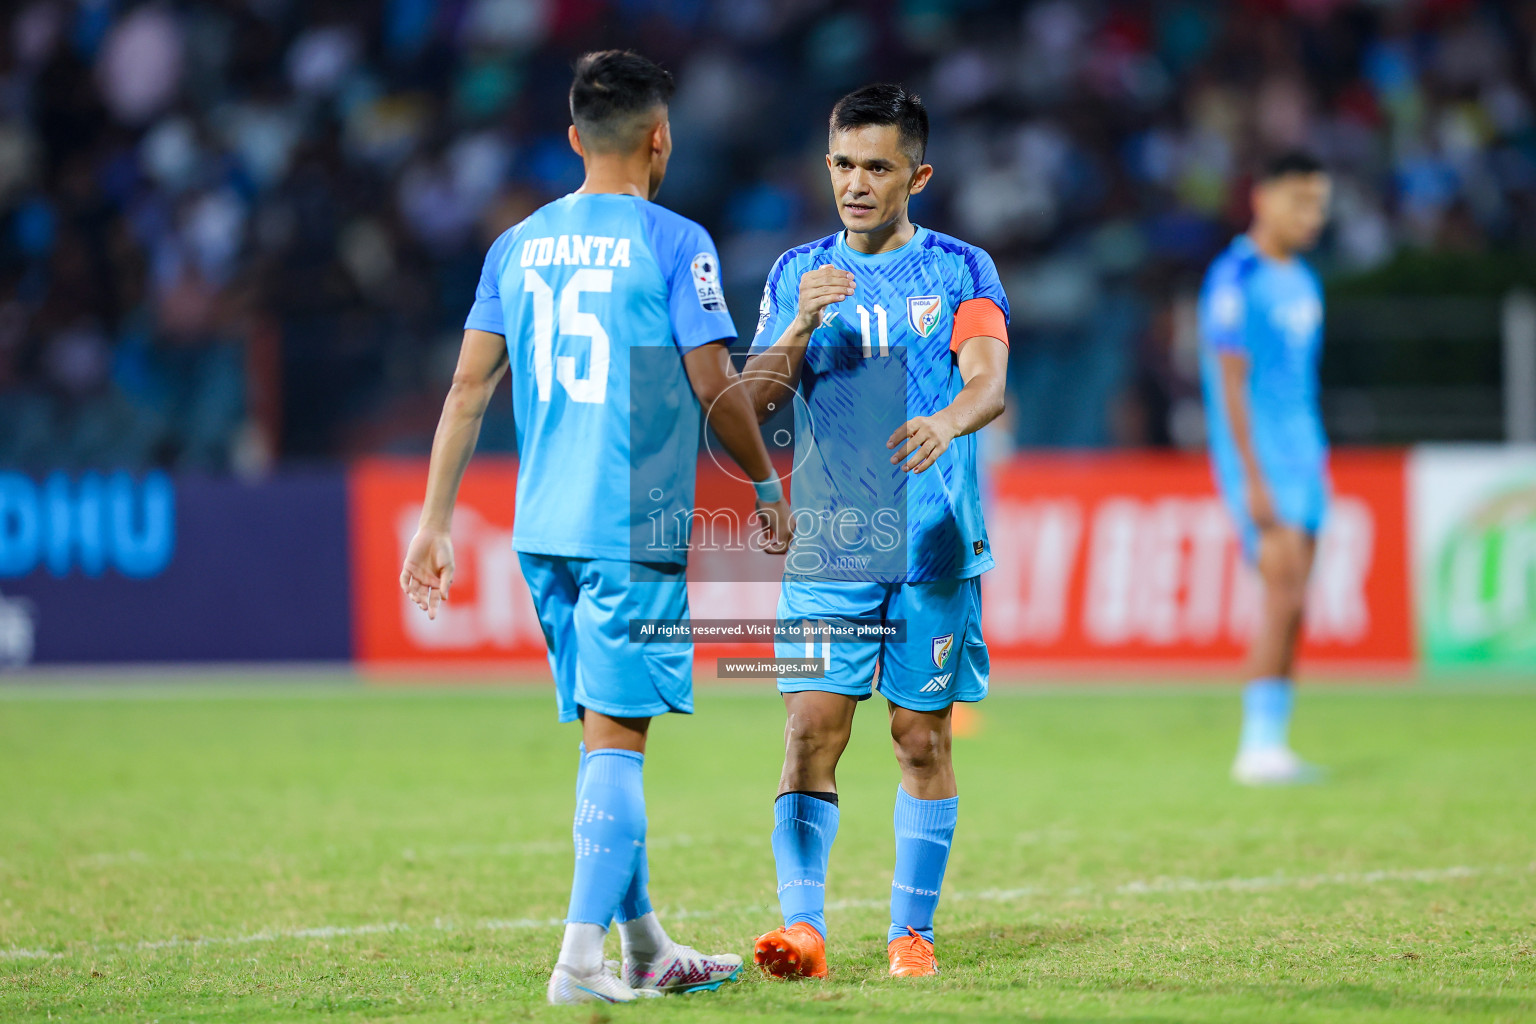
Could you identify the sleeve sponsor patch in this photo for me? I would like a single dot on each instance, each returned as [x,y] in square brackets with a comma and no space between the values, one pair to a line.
[763,309]
[706,281]
[1227,307]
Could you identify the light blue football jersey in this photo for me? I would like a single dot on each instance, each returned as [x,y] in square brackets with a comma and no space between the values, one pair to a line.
[599,297]
[1272,312]
[879,358]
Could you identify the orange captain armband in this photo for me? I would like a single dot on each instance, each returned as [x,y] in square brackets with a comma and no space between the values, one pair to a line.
[978,318]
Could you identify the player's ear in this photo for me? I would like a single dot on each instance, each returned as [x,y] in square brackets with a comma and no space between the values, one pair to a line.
[661,137]
[570,133]
[1256,199]
[920,179]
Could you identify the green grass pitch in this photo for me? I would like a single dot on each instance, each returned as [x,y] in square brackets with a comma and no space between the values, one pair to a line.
[344,853]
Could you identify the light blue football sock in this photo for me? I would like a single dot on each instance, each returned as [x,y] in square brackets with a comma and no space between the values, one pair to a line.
[803,829]
[924,830]
[608,831]
[637,899]
[1267,714]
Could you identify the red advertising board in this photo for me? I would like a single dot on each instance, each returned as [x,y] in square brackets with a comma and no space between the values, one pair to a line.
[1130,558]
[1104,562]
[491,618]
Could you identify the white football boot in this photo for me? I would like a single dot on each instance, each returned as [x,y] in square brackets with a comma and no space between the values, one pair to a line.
[1273,766]
[567,987]
[679,968]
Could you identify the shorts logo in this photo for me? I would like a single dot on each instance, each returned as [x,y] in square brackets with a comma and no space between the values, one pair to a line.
[706,280]
[941,646]
[938,684]
[923,313]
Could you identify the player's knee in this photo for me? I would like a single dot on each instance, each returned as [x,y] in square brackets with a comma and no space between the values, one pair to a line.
[1286,584]
[1289,591]
[920,748]
[811,736]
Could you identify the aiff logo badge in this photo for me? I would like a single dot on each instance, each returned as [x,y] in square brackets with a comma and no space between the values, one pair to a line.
[941,646]
[923,312]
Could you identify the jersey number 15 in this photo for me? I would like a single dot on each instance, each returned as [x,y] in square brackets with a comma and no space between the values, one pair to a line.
[593,388]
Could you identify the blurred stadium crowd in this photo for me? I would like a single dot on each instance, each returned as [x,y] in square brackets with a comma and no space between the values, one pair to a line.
[236,231]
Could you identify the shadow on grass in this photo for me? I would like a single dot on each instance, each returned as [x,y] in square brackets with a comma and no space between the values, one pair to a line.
[1399,1001]
[986,944]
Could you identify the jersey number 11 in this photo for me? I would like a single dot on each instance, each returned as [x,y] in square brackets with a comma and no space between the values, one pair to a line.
[885,346]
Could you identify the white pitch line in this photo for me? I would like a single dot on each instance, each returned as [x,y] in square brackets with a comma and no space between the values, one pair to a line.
[1133,888]
[1305,882]
[530,847]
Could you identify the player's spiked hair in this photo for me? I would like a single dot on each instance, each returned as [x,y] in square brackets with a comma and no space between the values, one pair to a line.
[1292,161]
[885,104]
[611,95]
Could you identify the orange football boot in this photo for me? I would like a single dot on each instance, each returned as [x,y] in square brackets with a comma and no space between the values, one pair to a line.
[798,951]
[911,956]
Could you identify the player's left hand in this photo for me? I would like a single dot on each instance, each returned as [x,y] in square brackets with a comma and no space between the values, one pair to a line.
[927,436]
[428,570]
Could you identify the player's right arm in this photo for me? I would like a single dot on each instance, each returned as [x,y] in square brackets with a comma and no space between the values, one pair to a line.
[428,570]
[483,359]
[1224,328]
[703,332]
[730,415]
[1234,392]
[773,374]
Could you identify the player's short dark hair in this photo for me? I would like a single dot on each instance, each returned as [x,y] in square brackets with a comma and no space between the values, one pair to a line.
[1292,161]
[885,104]
[611,95]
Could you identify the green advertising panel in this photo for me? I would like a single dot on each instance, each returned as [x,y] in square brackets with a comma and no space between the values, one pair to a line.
[1474,546]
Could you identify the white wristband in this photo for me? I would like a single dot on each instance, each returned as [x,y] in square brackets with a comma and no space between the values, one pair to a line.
[770,490]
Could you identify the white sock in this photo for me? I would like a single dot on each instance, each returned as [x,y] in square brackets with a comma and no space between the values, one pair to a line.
[643,937]
[582,948]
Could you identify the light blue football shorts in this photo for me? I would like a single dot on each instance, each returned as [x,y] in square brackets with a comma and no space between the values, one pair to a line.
[942,659]
[585,605]
[1301,502]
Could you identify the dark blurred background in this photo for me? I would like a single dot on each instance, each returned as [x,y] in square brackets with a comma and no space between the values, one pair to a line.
[239,233]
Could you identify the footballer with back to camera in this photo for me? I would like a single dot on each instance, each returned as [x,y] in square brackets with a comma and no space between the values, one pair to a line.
[890,342]
[607,310]
[1261,320]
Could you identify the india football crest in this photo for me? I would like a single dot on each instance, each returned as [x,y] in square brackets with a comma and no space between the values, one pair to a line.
[924,313]
[1298,320]
[941,648]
